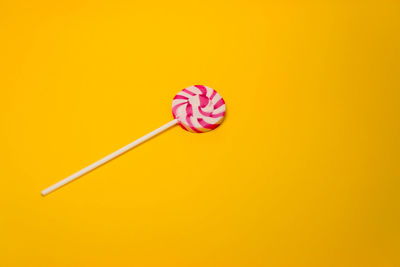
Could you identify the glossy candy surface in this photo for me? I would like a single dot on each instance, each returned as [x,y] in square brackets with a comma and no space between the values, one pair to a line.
[198,108]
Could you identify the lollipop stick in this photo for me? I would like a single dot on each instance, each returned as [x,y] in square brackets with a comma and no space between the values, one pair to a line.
[108,158]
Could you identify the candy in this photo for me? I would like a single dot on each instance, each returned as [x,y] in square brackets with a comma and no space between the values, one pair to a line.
[198,108]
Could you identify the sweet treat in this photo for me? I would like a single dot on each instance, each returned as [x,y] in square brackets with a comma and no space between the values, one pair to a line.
[198,108]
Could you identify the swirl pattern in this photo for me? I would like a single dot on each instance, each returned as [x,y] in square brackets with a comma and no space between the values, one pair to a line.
[198,108]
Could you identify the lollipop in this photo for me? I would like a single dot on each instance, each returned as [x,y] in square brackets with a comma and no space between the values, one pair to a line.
[197,109]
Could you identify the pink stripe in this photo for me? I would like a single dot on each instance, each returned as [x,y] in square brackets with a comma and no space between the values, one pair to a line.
[203,100]
[174,108]
[189,110]
[191,125]
[213,94]
[218,115]
[204,113]
[180,97]
[207,125]
[202,88]
[188,92]
[219,103]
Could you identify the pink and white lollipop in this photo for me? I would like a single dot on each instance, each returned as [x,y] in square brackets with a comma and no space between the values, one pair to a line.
[197,109]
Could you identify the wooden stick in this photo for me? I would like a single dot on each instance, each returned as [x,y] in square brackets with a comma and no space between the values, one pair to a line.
[108,158]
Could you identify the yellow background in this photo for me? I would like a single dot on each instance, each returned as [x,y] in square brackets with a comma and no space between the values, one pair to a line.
[303,172]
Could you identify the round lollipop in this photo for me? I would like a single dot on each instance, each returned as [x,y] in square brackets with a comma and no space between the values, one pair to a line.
[197,109]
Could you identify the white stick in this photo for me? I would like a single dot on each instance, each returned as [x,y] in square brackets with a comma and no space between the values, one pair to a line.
[108,158]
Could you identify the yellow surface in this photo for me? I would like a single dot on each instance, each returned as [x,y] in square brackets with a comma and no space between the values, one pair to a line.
[304,171]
